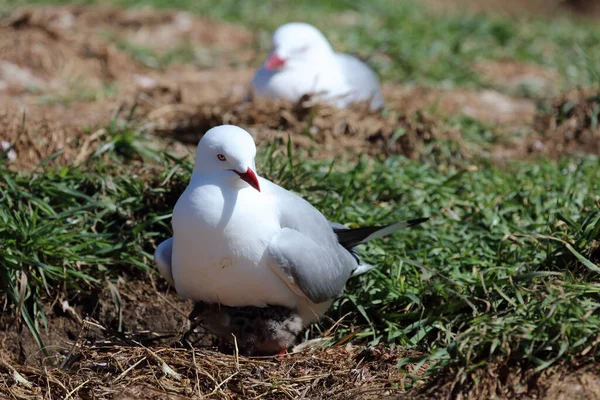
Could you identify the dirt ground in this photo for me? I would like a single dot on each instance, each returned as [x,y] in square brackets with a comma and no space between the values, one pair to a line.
[66,70]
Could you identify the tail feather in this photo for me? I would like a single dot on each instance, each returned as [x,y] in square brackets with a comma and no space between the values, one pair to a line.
[362,268]
[353,237]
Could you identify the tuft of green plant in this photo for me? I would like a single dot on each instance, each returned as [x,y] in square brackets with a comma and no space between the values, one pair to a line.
[180,53]
[74,93]
[73,228]
[126,138]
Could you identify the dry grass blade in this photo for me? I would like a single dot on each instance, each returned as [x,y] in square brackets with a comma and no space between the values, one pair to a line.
[74,391]
[124,373]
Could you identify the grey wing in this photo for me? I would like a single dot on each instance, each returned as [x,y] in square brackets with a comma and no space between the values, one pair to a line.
[162,258]
[310,269]
[299,215]
[362,79]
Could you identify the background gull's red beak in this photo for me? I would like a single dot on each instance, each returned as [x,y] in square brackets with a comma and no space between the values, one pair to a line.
[274,62]
[249,177]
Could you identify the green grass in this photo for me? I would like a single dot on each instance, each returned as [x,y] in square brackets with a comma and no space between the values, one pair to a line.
[181,53]
[75,94]
[492,273]
[501,269]
[69,229]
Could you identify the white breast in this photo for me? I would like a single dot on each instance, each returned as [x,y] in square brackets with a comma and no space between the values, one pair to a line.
[219,245]
[291,84]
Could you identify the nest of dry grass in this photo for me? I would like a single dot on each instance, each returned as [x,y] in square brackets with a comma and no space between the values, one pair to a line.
[136,353]
[328,130]
[111,369]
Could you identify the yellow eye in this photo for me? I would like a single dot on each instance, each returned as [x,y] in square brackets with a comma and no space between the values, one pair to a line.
[221,157]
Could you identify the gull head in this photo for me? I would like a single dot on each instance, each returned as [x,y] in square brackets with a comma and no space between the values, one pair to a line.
[297,44]
[227,151]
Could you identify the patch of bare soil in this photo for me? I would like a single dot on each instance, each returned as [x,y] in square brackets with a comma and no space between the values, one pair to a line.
[488,105]
[124,312]
[121,372]
[58,66]
[142,27]
[49,129]
[516,381]
[62,50]
[158,30]
[516,76]
[123,343]
[38,54]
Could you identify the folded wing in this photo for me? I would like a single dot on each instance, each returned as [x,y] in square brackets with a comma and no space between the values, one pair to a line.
[162,258]
[308,268]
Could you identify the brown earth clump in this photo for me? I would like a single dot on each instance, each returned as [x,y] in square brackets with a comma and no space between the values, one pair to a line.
[160,30]
[129,311]
[52,130]
[70,81]
[571,126]
[67,51]
[39,54]
[56,78]
[327,130]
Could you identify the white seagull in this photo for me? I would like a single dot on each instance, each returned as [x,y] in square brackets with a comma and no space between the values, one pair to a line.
[302,61]
[240,240]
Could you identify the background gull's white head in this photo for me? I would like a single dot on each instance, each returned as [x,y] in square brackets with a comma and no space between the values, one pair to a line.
[227,151]
[297,43]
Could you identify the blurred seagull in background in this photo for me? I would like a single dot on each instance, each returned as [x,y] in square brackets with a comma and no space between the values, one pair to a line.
[241,241]
[302,61]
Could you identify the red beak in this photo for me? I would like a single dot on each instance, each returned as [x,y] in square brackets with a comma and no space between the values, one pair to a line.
[249,177]
[274,62]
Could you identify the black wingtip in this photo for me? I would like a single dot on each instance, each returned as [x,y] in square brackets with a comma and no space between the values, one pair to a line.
[353,237]
[418,221]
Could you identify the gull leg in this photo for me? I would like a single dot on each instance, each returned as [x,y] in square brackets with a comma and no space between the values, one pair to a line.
[223,345]
[194,320]
[282,353]
[185,338]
